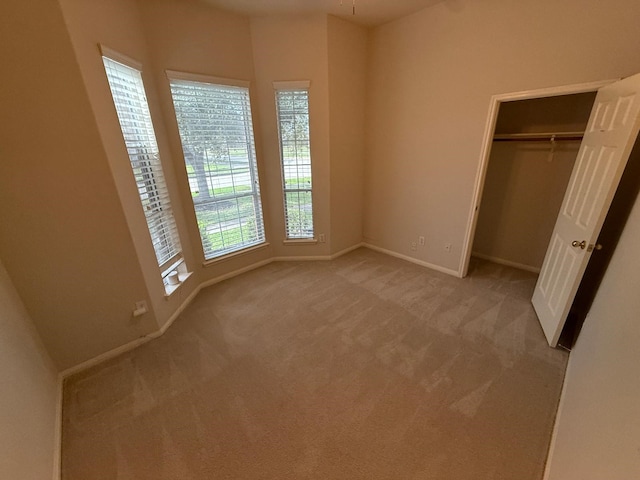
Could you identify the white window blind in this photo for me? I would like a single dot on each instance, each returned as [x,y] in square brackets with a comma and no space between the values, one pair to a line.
[295,155]
[216,130]
[131,105]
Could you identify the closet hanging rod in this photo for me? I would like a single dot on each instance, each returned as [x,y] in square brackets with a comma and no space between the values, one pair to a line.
[537,137]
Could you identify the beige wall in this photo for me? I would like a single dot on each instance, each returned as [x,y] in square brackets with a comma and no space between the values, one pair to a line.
[162,35]
[63,234]
[28,404]
[431,77]
[347,47]
[175,35]
[293,48]
[116,24]
[599,419]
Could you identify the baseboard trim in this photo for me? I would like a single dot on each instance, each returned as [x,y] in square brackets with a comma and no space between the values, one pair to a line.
[346,250]
[179,310]
[109,354]
[554,433]
[57,441]
[314,258]
[422,263]
[308,258]
[235,273]
[506,263]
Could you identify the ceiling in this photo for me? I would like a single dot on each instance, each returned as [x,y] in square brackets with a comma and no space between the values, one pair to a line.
[367,12]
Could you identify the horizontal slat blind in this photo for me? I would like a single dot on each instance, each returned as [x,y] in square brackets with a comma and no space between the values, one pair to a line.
[295,155]
[131,105]
[216,130]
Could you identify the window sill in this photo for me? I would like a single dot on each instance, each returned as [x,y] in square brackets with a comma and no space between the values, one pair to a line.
[228,256]
[171,289]
[300,241]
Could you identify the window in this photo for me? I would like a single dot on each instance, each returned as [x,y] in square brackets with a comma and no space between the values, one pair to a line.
[292,102]
[131,105]
[214,120]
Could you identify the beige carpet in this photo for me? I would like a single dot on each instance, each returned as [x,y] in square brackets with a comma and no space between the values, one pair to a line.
[365,367]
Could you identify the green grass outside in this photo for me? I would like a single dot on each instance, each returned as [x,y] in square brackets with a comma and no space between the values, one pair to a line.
[231,237]
[222,191]
[293,183]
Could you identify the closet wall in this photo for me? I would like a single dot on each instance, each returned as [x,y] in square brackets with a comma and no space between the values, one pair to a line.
[526,179]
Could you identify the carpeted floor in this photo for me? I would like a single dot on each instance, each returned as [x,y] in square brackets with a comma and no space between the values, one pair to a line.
[365,367]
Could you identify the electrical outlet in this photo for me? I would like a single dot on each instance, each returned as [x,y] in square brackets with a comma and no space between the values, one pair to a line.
[140,308]
[447,247]
[321,238]
[421,241]
[414,246]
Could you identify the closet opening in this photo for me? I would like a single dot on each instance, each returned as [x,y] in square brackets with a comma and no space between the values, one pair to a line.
[535,146]
[532,142]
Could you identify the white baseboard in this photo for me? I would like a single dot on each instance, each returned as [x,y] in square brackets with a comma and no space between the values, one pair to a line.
[422,263]
[308,258]
[506,263]
[235,273]
[57,445]
[554,434]
[346,250]
[110,354]
[314,258]
[179,310]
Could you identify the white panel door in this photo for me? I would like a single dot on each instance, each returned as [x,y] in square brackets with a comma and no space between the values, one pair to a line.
[607,143]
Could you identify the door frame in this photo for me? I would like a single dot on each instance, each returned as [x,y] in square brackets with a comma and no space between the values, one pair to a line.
[485,152]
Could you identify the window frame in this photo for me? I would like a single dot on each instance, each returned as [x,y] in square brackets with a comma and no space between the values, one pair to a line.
[175,77]
[295,86]
[154,178]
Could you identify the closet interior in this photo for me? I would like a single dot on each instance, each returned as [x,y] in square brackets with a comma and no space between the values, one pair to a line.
[535,146]
[534,149]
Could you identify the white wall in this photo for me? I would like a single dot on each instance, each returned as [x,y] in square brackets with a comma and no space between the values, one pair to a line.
[432,76]
[598,427]
[28,402]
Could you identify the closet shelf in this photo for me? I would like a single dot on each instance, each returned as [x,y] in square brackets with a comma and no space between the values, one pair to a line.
[537,137]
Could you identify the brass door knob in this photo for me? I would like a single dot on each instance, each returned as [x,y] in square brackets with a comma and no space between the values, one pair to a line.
[582,244]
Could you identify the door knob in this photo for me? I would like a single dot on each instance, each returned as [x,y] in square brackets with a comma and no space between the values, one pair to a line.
[582,244]
[593,247]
